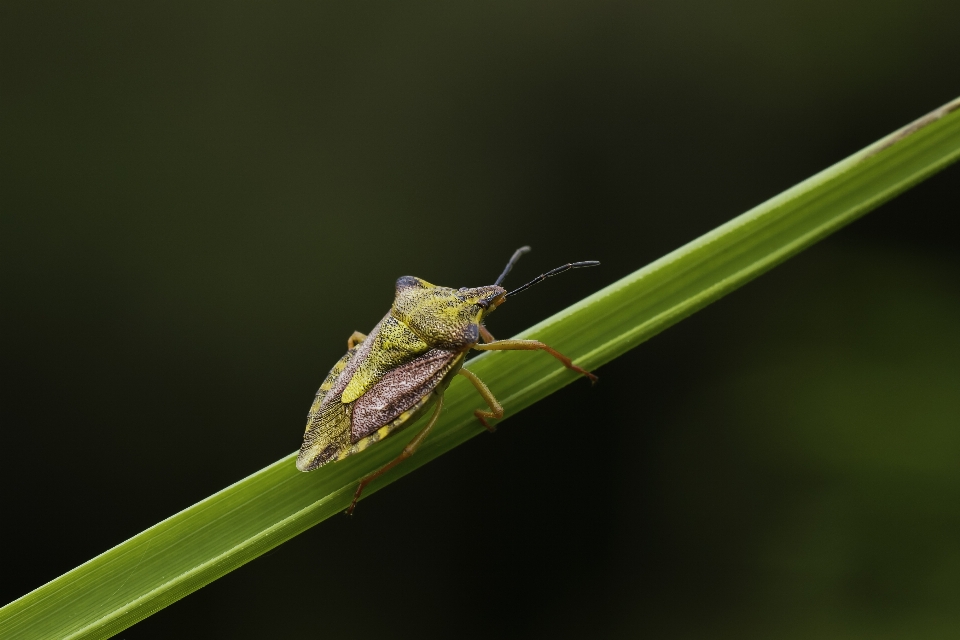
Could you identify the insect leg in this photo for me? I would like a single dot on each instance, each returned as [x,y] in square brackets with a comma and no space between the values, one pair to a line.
[355,339]
[486,335]
[408,451]
[496,410]
[533,345]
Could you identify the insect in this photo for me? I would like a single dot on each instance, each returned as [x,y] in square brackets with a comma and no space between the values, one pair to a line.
[400,370]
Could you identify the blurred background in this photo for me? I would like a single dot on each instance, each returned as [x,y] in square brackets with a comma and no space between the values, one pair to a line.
[201,201]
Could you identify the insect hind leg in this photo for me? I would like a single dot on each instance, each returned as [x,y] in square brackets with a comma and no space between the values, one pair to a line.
[408,451]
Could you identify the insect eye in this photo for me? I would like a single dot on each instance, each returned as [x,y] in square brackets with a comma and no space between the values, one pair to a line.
[483,304]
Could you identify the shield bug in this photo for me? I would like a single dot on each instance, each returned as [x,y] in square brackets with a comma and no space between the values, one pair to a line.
[400,370]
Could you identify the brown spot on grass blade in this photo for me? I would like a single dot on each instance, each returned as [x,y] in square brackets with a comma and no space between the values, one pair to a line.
[910,129]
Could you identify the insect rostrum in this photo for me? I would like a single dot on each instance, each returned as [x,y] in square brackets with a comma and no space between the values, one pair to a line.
[391,377]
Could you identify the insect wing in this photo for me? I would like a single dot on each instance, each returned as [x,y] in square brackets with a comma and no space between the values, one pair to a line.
[385,415]
[400,390]
[328,427]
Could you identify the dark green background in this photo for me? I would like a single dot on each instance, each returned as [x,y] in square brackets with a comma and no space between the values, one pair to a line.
[201,201]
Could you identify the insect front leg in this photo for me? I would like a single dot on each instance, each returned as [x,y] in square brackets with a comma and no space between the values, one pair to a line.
[408,451]
[533,345]
[486,335]
[496,409]
[355,339]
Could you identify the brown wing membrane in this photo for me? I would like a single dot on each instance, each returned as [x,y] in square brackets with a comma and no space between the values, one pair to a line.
[398,390]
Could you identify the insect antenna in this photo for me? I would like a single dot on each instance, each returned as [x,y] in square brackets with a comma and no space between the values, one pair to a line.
[516,256]
[553,272]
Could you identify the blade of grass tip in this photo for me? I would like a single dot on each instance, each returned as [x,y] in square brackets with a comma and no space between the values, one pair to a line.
[215,536]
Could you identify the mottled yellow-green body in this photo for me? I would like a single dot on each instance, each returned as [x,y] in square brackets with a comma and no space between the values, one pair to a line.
[388,379]
[394,375]
[395,344]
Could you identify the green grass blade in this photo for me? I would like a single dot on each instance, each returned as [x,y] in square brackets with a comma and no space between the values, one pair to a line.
[217,535]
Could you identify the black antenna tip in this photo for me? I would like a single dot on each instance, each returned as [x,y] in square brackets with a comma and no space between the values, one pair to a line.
[513,260]
[553,272]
